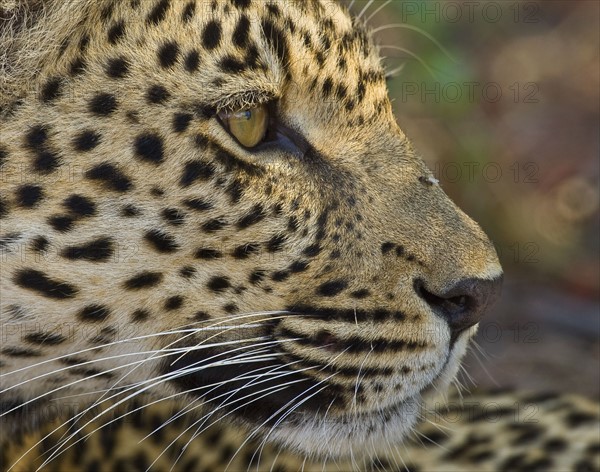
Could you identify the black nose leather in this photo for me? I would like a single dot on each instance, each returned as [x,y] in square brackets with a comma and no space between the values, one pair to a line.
[464,303]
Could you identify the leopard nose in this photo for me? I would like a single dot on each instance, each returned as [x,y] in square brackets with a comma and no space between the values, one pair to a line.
[463,304]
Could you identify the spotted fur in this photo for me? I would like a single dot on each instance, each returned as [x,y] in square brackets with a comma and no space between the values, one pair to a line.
[300,289]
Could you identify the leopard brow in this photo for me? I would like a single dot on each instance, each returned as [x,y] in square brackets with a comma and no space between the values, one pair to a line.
[247,99]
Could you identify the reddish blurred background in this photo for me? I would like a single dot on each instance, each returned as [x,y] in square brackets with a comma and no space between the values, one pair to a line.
[505,110]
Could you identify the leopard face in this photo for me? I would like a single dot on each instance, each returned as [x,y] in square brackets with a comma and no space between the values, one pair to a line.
[314,285]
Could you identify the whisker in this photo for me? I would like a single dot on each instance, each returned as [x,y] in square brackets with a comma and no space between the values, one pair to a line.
[381,7]
[420,31]
[364,10]
[114,406]
[414,56]
[207,416]
[329,363]
[179,330]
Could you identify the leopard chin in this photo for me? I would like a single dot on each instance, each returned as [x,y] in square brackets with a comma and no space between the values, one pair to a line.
[368,434]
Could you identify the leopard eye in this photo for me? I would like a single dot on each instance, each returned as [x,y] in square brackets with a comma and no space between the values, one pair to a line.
[248,125]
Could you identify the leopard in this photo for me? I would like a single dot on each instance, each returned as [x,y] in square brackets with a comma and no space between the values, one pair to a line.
[221,252]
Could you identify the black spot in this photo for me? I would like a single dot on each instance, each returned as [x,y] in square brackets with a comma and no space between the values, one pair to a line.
[117,67]
[435,438]
[140,315]
[3,207]
[593,448]
[112,177]
[86,141]
[103,104]
[257,276]
[173,216]
[218,284]
[130,211]
[196,170]
[40,244]
[213,225]
[149,147]
[211,36]
[46,162]
[341,92]
[181,122]
[280,276]
[201,316]
[161,241]
[8,242]
[540,397]
[51,89]
[159,12]
[242,4]
[331,289]
[20,352]
[187,272]
[245,250]
[298,266]
[198,204]
[312,250]
[241,32]
[231,65]
[143,280]
[167,54]
[188,12]
[578,418]
[256,215]
[107,11]
[94,313]
[28,196]
[277,41]
[527,436]
[360,294]
[157,192]
[61,223]
[192,61]
[80,205]
[555,445]
[36,137]
[77,66]
[327,86]
[335,254]
[98,250]
[387,247]
[293,224]
[235,191]
[116,32]
[3,156]
[39,282]
[230,308]
[48,339]
[273,10]
[84,42]
[133,117]
[276,243]
[157,94]
[207,254]
[174,303]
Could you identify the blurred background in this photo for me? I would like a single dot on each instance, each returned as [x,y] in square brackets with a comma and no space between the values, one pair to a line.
[502,100]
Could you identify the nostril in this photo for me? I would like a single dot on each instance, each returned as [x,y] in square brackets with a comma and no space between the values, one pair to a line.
[462,305]
[451,306]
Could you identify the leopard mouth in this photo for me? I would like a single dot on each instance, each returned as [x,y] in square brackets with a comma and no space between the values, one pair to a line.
[290,391]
